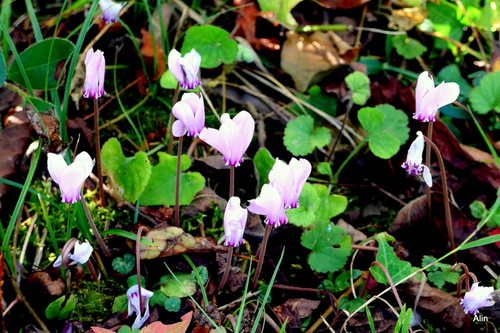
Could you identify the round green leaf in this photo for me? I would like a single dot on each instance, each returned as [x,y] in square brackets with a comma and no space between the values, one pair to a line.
[41,62]
[301,137]
[371,119]
[408,47]
[305,214]
[359,84]
[395,122]
[171,287]
[383,145]
[125,264]
[263,161]
[212,43]
[485,97]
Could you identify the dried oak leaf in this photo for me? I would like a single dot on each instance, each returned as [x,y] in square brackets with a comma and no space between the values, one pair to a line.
[53,287]
[295,310]
[172,241]
[434,301]
[307,58]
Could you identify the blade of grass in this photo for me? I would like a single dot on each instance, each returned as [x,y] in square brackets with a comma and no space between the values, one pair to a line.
[268,292]
[198,278]
[243,301]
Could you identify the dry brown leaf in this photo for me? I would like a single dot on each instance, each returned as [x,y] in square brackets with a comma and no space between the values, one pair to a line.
[180,327]
[309,57]
[172,240]
[406,19]
[149,51]
[295,310]
[52,287]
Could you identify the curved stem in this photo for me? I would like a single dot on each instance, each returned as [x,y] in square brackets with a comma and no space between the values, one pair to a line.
[446,202]
[262,254]
[335,177]
[138,265]
[178,183]
[231,181]
[226,270]
[103,245]
[98,152]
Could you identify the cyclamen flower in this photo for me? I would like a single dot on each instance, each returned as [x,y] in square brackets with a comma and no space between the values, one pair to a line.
[233,137]
[190,112]
[429,99]
[269,203]
[81,254]
[235,220]
[70,178]
[413,162]
[94,77]
[110,10]
[134,305]
[185,69]
[289,179]
[477,297]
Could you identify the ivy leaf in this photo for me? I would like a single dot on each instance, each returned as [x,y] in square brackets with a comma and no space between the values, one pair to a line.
[485,97]
[125,264]
[128,175]
[330,247]
[301,137]
[359,84]
[408,47]
[120,304]
[305,214]
[387,129]
[173,304]
[351,305]
[213,45]
[331,205]
[161,189]
[397,268]
[263,161]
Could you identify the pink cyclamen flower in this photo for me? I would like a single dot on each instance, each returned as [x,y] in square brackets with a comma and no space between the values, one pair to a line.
[235,220]
[269,203]
[94,77]
[185,69]
[70,178]
[233,137]
[190,112]
[477,297]
[413,162]
[289,179]
[81,254]
[428,99]
[110,10]
[134,305]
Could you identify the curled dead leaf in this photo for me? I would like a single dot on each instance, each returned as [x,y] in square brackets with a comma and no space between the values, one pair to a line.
[307,58]
[172,241]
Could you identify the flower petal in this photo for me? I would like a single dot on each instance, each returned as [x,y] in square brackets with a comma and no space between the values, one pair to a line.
[269,203]
[235,219]
[424,84]
[218,140]
[82,252]
[56,166]
[427,176]
[178,129]
[175,67]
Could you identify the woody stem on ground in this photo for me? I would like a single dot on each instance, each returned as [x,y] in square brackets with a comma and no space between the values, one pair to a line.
[446,202]
[178,183]
[262,254]
[226,270]
[98,152]
[102,245]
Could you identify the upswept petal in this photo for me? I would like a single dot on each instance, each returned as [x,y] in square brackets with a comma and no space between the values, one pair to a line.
[178,129]
[424,84]
[56,166]
[95,64]
[269,203]
[184,113]
[191,65]
[301,170]
[235,219]
[175,67]
[82,252]
[86,162]
[217,140]
[110,10]
[442,95]
[281,178]
[134,305]
[237,145]
[246,124]
[72,180]
[426,173]
[197,106]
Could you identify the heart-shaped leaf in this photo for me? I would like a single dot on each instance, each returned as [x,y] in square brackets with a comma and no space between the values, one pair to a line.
[42,63]
[301,137]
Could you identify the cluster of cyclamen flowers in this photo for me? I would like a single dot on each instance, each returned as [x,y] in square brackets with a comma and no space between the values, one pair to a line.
[428,100]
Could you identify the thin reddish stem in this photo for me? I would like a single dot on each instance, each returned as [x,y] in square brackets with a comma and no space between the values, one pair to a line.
[97,139]
[178,183]
[262,254]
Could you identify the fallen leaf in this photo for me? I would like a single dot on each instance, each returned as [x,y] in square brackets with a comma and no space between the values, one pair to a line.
[150,51]
[307,58]
[101,330]
[203,201]
[293,311]
[47,126]
[52,287]
[158,327]
[172,241]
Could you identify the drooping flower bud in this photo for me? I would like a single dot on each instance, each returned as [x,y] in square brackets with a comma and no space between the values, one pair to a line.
[134,304]
[413,163]
[185,68]
[235,219]
[94,76]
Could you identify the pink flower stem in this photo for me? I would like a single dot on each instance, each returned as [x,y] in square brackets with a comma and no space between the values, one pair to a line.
[102,245]
[261,255]
[428,164]
[91,269]
[98,152]
[170,145]
[138,264]
[178,182]
[446,202]
[231,181]
[226,270]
